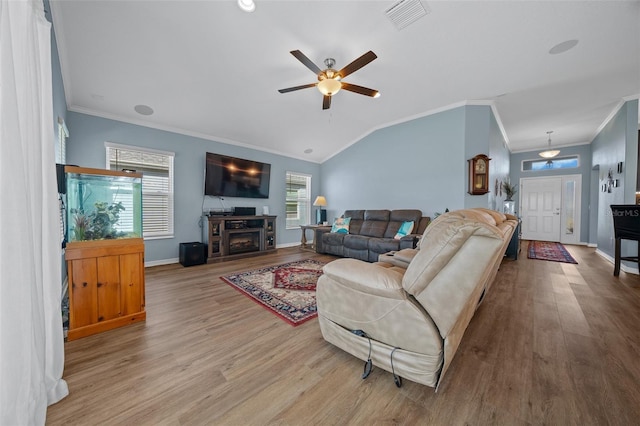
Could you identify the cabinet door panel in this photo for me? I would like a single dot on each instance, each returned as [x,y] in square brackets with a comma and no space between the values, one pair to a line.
[132,283]
[108,287]
[83,307]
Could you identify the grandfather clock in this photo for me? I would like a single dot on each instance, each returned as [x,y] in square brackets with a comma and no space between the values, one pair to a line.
[479,174]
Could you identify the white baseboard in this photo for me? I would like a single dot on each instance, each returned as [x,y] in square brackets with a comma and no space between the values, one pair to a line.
[623,267]
[161,262]
[288,245]
[176,260]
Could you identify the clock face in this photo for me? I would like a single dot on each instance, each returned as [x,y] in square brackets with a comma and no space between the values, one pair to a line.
[481,166]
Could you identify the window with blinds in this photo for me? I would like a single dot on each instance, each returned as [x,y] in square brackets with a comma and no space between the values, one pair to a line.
[157,186]
[61,144]
[298,202]
[61,158]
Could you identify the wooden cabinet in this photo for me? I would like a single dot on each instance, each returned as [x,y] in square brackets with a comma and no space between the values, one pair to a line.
[215,237]
[270,233]
[106,285]
[239,236]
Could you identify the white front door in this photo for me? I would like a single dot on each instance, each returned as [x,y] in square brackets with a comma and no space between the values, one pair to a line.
[541,201]
[551,208]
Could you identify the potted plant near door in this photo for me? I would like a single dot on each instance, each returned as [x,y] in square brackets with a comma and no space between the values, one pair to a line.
[509,191]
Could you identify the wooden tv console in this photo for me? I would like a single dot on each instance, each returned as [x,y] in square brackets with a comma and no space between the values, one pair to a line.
[229,237]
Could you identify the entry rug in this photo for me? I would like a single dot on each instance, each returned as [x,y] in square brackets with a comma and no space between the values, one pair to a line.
[287,290]
[544,250]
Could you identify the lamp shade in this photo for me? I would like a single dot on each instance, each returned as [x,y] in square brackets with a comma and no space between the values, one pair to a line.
[320,201]
[549,153]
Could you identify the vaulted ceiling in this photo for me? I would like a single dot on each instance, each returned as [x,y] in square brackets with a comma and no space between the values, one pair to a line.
[208,69]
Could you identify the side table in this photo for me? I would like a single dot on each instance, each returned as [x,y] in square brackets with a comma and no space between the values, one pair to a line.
[303,240]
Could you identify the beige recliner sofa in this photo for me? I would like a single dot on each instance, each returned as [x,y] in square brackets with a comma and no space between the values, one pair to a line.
[409,316]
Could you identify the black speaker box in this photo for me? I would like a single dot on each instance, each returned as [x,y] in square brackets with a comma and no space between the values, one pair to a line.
[193,254]
[244,211]
[321,216]
[62,179]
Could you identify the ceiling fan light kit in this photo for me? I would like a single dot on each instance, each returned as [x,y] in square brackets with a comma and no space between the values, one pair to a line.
[549,153]
[329,80]
[329,86]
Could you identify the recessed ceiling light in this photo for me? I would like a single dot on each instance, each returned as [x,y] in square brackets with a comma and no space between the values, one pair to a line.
[563,47]
[247,5]
[308,151]
[143,109]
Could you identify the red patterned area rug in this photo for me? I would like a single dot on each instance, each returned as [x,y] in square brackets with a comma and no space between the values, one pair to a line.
[287,290]
[544,250]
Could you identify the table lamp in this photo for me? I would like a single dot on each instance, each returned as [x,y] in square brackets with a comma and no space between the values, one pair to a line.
[321,214]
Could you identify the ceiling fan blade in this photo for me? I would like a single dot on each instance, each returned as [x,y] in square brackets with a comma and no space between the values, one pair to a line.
[306,61]
[357,64]
[291,89]
[326,102]
[359,89]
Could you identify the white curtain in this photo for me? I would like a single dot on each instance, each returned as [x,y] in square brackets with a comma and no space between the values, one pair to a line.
[31,338]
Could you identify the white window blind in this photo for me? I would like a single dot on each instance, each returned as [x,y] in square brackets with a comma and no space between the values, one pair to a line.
[61,148]
[61,158]
[157,185]
[298,203]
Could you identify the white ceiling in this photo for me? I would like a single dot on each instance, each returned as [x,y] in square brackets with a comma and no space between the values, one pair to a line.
[209,69]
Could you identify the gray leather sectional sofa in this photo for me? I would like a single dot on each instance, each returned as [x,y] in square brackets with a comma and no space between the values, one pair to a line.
[371,233]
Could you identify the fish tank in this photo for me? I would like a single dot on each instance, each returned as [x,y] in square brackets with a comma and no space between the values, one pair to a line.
[103,204]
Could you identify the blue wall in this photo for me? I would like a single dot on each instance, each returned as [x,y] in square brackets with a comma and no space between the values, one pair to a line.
[499,165]
[483,136]
[618,141]
[85,147]
[584,154]
[419,164]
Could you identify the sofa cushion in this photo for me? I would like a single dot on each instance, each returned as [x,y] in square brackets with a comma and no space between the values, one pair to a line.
[398,217]
[404,230]
[375,223]
[383,245]
[405,215]
[357,217]
[333,239]
[341,225]
[357,242]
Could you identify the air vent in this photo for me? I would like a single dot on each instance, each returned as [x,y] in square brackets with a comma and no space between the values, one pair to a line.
[406,12]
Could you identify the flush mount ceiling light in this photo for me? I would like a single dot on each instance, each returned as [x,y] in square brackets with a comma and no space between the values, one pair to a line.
[549,153]
[247,5]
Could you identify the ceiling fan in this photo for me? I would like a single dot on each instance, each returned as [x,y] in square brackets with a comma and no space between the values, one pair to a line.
[329,80]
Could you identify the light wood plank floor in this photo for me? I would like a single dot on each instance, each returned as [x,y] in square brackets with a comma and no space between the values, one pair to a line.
[552,343]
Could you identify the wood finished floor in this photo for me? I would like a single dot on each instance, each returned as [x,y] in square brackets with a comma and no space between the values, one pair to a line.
[553,343]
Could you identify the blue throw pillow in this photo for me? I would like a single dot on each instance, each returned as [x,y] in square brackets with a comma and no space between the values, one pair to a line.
[405,229]
[341,225]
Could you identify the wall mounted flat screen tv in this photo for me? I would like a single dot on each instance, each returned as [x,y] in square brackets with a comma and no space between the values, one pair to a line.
[235,177]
